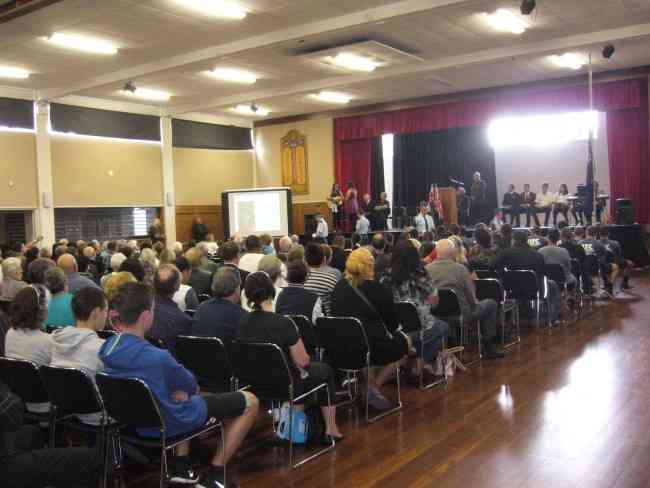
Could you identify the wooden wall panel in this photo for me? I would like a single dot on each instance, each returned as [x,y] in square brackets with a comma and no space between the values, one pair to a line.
[212,217]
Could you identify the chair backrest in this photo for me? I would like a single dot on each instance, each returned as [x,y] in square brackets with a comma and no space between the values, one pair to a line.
[521,284]
[555,272]
[191,312]
[106,334]
[263,366]
[486,273]
[130,401]
[448,304]
[22,378]
[576,268]
[4,305]
[344,342]
[204,297]
[207,358]
[307,332]
[489,288]
[408,316]
[71,389]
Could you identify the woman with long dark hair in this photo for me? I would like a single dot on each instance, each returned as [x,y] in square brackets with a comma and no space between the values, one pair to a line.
[351,206]
[335,203]
[561,204]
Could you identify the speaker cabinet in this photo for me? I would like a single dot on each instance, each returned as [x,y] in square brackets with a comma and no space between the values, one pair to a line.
[624,211]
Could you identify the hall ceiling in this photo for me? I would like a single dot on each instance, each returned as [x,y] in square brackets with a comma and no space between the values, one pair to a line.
[445,46]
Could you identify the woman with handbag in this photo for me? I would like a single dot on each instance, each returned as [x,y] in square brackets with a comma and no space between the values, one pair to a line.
[358,295]
[263,325]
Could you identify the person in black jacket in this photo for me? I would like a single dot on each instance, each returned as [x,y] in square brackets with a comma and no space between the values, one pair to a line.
[294,299]
[199,230]
[511,205]
[527,203]
[156,232]
[24,464]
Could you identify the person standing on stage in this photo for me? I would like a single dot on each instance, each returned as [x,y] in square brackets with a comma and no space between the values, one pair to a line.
[382,211]
[363,226]
[335,203]
[527,203]
[561,204]
[462,203]
[511,205]
[351,206]
[321,229]
[424,221]
[544,203]
[368,208]
[478,194]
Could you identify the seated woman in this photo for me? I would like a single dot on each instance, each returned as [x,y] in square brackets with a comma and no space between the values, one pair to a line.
[272,266]
[410,282]
[358,295]
[59,309]
[482,254]
[263,325]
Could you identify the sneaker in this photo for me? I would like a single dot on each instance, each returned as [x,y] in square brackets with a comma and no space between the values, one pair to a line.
[181,471]
[377,400]
[215,478]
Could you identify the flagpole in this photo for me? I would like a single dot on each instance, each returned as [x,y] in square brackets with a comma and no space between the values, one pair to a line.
[591,129]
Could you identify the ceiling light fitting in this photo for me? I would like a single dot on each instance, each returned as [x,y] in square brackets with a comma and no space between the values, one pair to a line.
[81,43]
[504,20]
[233,75]
[13,73]
[216,8]
[569,60]
[332,97]
[354,62]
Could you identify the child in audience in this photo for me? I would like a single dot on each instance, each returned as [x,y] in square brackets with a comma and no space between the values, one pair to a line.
[130,355]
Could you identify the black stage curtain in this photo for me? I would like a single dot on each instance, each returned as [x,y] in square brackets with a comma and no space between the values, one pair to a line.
[377,183]
[434,157]
[186,133]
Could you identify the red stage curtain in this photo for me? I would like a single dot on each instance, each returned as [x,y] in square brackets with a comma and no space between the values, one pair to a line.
[353,164]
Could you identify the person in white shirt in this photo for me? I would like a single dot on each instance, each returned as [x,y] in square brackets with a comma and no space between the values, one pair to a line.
[544,202]
[424,221]
[561,203]
[497,221]
[321,230]
[210,245]
[253,256]
[363,226]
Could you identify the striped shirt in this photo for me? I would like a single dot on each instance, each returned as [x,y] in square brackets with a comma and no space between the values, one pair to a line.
[322,283]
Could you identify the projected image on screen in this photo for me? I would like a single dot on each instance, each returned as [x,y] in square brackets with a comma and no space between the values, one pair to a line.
[263,211]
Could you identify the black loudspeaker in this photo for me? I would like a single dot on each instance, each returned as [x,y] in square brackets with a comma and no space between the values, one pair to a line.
[624,211]
[310,224]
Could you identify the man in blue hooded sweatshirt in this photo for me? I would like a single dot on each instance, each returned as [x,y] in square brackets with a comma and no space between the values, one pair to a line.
[129,355]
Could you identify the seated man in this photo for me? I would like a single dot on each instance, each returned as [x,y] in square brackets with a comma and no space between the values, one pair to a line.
[230,254]
[169,321]
[527,202]
[544,204]
[219,316]
[596,250]
[76,281]
[129,355]
[200,280]
[446,273]
[536,240]
[253,256]
[185,297]
[554,254]
[615,255]
[512,205]
[294,299]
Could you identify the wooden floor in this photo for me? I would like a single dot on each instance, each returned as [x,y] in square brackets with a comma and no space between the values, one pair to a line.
[570,409]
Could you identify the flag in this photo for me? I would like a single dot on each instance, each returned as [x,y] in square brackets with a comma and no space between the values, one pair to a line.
[589,197]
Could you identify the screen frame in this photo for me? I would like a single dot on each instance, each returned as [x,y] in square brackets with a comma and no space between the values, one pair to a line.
[225,210]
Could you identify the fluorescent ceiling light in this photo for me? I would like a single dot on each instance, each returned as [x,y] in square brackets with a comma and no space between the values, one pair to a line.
[569,60]
[331,97]
[353,62]
[147,94]
[504,20]
[247,110]
[233,75]
[216,8]
[81,43]
[12,72]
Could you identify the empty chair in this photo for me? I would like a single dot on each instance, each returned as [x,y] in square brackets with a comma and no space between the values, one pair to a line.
[491,288]
[523,285]
[207,358]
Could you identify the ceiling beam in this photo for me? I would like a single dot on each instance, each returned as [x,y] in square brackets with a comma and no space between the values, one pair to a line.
[477,57]
[377,14]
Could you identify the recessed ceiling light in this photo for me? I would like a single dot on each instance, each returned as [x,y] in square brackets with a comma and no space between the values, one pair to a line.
[217,8]
[504,20]
[353,62]
[81,43]
[147,93]
[12,72]
[569,60]
[233,75]
[251,110]
[331,97]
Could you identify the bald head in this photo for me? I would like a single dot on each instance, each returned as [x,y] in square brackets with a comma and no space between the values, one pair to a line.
[167,280]
[285,244]
[67,263]
[445,249]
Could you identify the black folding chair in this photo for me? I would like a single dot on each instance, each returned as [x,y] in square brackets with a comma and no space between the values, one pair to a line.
[204,297]
[411,323]
[307,332]
[556,273]
[346,347]
[207,358]
[131,403]
[23,379]
[265,368]
[449,310]
[486,273]
[4,305]
[523,285]
[491,288]
[106,334]
[576,270]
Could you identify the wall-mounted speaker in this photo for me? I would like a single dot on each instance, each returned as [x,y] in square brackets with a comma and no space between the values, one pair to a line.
[169,198]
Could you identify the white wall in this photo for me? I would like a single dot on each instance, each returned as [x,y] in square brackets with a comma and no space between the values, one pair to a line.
[564,163]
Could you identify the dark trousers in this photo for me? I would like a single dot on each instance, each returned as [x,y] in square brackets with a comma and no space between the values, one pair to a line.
[547,214]
[515,219]
[486,312]
[560,209]
[318,373]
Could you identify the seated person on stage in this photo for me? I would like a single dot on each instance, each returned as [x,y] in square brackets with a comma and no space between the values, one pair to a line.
[446,273]
[554,254]
[263,325]
[521,256]
[615,253]
[321,228]
[129,355]
[363,226]
[219,316]
[527,203]
[511,205]
[544,203]
[423,221]
[561,204]
[594,247]
[536,240]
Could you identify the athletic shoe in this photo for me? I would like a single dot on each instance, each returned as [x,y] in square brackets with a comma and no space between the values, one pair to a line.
[215,478]
[181,471]
[377,400]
